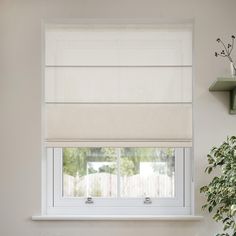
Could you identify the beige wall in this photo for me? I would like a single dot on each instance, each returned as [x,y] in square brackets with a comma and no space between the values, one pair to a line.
[20,103]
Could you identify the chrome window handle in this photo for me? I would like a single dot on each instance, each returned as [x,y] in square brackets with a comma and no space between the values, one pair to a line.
[147,200]
[89,200]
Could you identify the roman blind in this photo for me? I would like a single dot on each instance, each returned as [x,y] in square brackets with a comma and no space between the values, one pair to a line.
[118,86]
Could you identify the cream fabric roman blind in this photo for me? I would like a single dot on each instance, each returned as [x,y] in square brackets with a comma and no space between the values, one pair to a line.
[118,86]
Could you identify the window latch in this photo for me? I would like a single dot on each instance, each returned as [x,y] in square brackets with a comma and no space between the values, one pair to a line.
[147,200]
[89,200]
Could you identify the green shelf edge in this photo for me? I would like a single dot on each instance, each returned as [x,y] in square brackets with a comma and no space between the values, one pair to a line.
[224,84]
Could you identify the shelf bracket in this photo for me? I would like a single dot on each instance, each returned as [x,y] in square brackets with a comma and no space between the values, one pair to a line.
[226,84]
[233,101]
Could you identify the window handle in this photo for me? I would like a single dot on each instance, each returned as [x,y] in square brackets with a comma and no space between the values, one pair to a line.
[147,200]
[89,200]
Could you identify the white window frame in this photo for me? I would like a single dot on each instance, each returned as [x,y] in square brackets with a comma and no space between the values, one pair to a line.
[56,204]
[50,207]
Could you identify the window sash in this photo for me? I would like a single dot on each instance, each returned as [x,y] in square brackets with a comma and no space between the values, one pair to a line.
[57,204]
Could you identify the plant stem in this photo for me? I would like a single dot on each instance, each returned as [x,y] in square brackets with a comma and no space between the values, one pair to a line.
[226,50]
[232,46]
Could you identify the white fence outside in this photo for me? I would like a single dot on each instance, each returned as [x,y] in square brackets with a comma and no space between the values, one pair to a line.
[105,185]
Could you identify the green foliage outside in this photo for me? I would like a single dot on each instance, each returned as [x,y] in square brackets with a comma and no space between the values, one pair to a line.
[221,191]
[77,160]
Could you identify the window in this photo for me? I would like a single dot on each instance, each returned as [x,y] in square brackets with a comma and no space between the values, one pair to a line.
[118,119]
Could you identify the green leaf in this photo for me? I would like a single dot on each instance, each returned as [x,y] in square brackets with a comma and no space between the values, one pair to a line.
[209,170]
[210,208]
[203,189]
[233,209]
[227,226]
[225,219]
[204,206]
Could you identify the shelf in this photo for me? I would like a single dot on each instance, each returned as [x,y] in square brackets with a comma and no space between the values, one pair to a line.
[223,84]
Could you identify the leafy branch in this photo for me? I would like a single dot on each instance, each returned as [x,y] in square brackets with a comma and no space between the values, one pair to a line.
[220,193]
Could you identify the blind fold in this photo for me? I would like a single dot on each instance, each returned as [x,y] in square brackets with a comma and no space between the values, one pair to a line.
[119,121]
[118,87]
[118,84]
[118,46]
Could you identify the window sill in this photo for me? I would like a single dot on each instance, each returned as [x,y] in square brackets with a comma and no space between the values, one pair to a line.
[116,217]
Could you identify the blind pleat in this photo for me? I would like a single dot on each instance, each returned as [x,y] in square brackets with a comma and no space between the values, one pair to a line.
[119,121]
[112,47]
[101,84]
[117,86]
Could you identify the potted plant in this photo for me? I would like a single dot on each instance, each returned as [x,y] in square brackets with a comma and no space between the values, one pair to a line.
[221,191]
[226,52]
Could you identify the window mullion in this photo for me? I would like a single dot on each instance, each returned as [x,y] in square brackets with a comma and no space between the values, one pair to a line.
[118,152]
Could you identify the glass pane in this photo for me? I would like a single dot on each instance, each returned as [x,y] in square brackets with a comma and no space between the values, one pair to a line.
[143,172]
[147,172]
[89,172]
